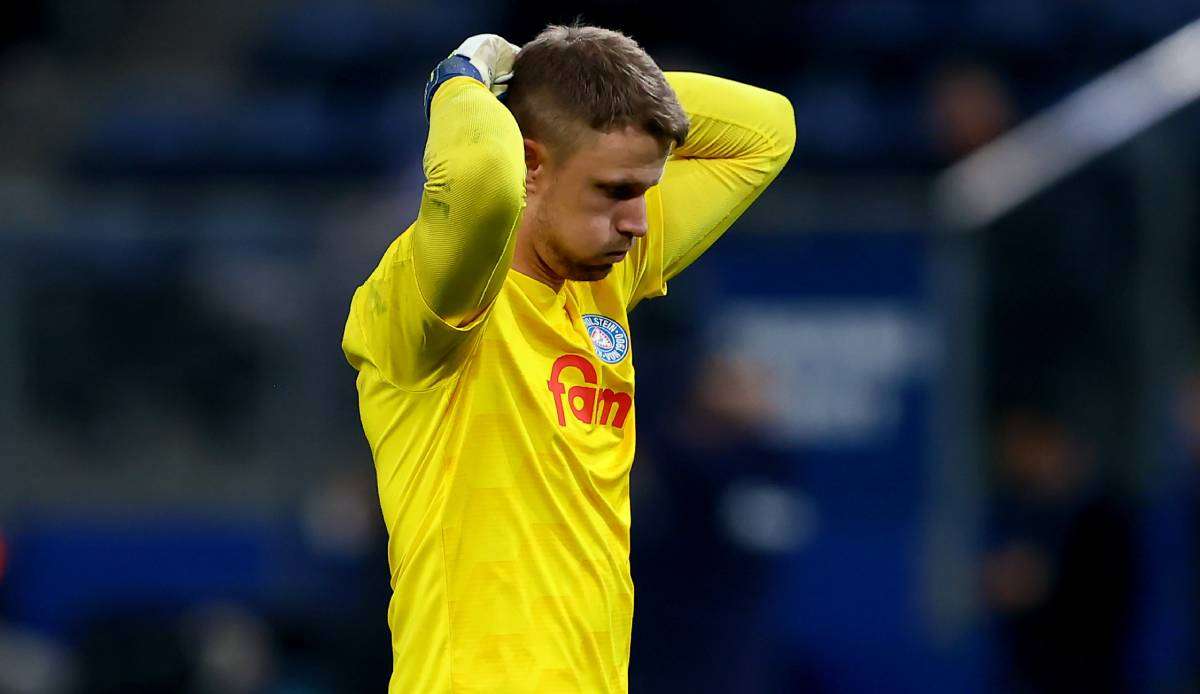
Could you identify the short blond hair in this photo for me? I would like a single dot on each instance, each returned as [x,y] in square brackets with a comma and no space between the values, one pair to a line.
[571,77]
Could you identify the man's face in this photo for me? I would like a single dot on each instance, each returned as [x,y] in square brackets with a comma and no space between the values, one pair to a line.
[591,207]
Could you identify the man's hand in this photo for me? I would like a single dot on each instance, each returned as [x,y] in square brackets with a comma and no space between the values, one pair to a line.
[493,57]
[485,57]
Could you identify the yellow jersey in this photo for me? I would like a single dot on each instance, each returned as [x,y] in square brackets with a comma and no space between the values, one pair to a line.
[503,446]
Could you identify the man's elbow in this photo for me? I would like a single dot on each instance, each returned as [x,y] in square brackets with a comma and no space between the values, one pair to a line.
[782,119]
[776,135]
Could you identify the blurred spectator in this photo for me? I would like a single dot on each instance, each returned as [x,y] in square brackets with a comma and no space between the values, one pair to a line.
[712,511]
[32,664]
[233,650]
[214,648]
[1187,415]
[348,634]
[1059,576]
[29,663]
[968,107]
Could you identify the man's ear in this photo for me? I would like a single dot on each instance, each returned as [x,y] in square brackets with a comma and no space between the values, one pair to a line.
[536,160]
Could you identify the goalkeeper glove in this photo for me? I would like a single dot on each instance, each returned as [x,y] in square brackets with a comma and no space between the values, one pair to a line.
[485,57]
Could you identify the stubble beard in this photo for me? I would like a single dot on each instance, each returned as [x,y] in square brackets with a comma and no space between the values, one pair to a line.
[558,260]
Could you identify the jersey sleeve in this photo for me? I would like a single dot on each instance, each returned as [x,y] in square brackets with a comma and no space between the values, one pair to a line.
[416,316]
[739,140]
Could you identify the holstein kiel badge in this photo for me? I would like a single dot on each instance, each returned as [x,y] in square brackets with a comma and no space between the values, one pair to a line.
[608,337]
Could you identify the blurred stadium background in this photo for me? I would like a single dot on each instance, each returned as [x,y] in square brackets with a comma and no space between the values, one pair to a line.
[918,428]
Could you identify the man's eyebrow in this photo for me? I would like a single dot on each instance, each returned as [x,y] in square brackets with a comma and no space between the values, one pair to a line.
[625,183]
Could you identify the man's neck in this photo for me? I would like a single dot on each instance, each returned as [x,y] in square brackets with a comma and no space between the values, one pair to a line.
[527,261]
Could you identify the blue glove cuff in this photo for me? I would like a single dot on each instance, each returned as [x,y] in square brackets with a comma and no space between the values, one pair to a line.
[454,66]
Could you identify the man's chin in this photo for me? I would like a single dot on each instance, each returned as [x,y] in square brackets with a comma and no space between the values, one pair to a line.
[591,273]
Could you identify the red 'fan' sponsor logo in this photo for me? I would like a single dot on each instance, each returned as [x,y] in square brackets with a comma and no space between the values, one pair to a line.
[587,402]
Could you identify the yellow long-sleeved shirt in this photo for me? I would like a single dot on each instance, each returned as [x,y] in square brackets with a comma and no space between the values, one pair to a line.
[503,446]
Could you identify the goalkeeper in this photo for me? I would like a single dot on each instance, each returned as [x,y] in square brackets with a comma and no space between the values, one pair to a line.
[495,364]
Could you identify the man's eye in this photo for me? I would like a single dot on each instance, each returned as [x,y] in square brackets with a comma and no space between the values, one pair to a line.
[620,192]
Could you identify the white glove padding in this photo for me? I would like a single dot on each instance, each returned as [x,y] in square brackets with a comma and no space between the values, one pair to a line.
[493,56]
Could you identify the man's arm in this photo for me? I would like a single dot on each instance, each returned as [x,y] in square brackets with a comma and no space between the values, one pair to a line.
[740,138]
[474,194]
[413,317]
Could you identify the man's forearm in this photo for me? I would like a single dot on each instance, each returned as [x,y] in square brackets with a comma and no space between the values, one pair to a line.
[731,120]
[739,140]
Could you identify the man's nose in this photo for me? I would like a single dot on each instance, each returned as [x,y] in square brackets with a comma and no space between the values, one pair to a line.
[631,218]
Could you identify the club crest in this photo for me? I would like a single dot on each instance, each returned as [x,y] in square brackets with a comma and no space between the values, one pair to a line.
[608,337]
